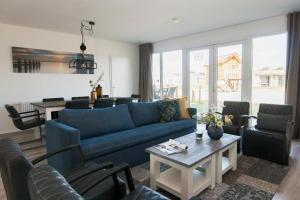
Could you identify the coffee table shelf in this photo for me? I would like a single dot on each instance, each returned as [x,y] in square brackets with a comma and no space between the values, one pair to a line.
[225,165]
[170,180]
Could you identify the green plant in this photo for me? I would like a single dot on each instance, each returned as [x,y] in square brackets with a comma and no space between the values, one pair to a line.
[94,85]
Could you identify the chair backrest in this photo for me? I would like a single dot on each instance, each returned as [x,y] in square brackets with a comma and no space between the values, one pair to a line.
[236,108]
[105,96]
[124,100]
[53,99]
[44,182]
[13,113]
[14,167]
[78,104]
[136,96]
[81,98]
[274,116]
[103,103]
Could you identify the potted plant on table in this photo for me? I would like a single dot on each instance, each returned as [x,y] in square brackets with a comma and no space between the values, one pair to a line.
[94,93]
[214,123]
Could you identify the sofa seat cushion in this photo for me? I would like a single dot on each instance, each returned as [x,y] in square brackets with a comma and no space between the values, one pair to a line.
[97,122]
[144,113]
[98,146]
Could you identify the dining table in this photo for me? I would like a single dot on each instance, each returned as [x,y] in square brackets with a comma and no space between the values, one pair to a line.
[55,106]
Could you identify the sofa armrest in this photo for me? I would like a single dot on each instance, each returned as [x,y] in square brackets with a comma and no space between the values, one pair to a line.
[192,111]
[58,136]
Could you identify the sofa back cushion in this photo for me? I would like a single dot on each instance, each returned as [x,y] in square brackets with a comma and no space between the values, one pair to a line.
[96,122]
[144,113]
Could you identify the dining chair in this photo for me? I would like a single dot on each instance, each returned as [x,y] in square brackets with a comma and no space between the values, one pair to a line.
[103,103]
[81,98]
[78,104]
[26,120]
[53,99]
[54,115]
[136,97]
[124,100]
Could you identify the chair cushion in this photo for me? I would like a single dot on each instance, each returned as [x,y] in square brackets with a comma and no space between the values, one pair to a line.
[234,130]
[272,122]
[98,146]
[96,122]
[144,113]
[44,182]
[144,193]
[169,110]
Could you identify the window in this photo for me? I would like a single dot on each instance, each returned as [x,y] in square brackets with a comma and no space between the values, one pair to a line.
[156,75]
[199,79]
[172,74]
[268,70]
[229,73]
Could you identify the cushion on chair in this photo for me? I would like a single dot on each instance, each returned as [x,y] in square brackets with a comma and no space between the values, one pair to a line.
[144,113]
[272,122]
[96,122]
[97,146]
[44,182]
[144,193]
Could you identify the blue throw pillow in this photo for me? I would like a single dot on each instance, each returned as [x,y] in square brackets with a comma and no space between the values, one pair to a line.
[96,122]
[169,110]
[144,113]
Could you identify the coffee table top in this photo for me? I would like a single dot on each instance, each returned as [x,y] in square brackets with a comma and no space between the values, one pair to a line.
[197,150]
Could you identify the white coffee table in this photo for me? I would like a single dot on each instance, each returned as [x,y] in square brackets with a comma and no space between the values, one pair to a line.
[194,170]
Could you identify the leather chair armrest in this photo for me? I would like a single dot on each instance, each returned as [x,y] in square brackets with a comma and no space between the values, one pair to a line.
[50,154]
[112,172]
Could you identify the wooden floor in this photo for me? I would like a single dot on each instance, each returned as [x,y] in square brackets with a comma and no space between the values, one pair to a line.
[289,189]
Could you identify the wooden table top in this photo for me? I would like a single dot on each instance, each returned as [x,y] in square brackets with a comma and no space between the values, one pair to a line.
[52,104]
[197,150]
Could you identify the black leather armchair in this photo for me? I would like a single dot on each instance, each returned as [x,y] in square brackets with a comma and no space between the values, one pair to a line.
[270,139]
[26,120]
[14,168]
[237,109]
[45,182]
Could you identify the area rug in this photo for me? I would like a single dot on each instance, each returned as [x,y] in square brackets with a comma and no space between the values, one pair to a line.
[254,179]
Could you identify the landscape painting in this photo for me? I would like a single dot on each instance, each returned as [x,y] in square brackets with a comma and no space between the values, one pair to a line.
[27,60]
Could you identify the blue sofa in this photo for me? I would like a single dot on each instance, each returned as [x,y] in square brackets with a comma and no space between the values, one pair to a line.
[118,134]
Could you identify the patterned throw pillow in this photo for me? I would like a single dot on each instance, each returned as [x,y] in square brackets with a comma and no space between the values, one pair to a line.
[169,111]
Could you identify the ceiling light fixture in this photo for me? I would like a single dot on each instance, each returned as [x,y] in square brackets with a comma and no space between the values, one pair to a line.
[83,61]
[175,20]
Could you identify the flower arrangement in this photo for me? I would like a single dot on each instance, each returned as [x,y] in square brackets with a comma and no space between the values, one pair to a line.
[215,118]
[94,84]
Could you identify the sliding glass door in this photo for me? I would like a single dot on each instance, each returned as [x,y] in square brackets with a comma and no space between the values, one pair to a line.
[215,76]
[199,79]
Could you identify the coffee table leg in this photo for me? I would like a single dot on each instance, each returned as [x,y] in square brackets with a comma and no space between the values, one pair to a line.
[219,167]
[212,171]
[233,156]
[186,183]
[154,171]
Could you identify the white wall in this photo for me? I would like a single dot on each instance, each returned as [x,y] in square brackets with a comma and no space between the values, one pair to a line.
[234,33]
[16,88]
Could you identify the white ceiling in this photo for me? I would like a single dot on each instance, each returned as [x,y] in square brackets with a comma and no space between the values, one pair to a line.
[140,21]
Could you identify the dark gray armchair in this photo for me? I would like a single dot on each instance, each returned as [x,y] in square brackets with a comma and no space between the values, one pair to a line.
[270,139]
[15,166]
[237,109]
[44,182]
